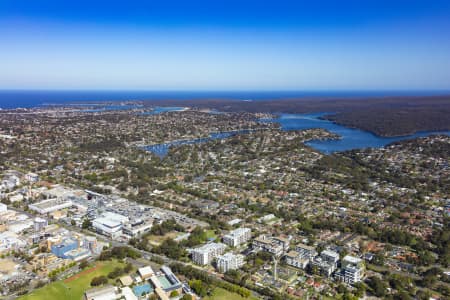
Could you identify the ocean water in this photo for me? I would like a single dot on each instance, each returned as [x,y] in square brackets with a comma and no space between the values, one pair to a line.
[28,98]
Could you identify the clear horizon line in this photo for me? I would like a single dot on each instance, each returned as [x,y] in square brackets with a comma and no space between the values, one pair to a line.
[221,90]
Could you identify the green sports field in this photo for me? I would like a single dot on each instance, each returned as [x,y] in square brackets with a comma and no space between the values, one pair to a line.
[74,287]
[221,294]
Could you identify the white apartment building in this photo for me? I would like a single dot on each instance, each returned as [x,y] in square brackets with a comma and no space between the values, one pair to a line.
[266,218]
[352,270]
[295,259]
[306,251]
[237,237]
[350,274]
[230,261]
[330,257]
[324,267]
[327,262]
[205,254]
[282,241]
[352,260]
[268,244]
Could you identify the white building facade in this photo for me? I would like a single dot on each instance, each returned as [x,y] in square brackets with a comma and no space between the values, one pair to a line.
[229,261]
[306,251]
[108,227]
[352,270]
[295,259]
[268,244]
[205,254]
[237,237]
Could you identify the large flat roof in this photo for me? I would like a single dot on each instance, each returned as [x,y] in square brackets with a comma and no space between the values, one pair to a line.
[330,253]
[306,247]
[50,203]
[352,259]
[126,280]
[108,222]
[146,271]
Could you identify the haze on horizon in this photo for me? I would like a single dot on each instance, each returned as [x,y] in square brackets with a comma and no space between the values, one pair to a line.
[225,45]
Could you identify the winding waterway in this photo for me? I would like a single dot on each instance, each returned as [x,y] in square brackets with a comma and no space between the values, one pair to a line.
[162,109]
[351,138]
[161,150]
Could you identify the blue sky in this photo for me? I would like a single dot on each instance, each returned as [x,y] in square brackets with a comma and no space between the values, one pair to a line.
[225,45]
